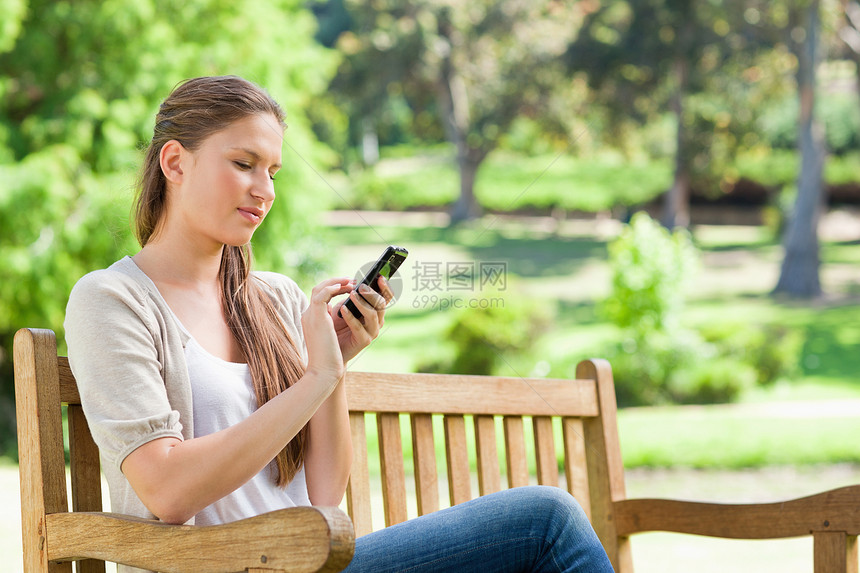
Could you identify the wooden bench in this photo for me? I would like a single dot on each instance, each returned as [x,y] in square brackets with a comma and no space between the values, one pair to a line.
[585,409]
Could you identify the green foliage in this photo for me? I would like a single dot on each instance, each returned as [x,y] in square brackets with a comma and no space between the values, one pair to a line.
[510,181]
[657,359]
[489,334]
[839,112]
[717,380]
[771,350]
[464,71]
[79,87]
[644,365]
[651,268]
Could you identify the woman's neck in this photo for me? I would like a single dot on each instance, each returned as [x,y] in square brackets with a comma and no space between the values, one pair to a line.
[167,263]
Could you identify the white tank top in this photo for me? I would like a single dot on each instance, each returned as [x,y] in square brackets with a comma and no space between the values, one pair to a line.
[223,395]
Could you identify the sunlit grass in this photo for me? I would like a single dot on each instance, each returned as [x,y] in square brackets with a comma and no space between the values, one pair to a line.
[570,274]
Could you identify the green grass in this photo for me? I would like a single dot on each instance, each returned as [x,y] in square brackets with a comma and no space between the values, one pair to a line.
[735,437]
[508,181]
[409,177]
[570,273]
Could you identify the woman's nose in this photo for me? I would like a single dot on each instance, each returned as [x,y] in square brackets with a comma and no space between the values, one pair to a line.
[264,188]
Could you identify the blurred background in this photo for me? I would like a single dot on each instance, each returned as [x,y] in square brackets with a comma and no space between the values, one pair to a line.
[673,185]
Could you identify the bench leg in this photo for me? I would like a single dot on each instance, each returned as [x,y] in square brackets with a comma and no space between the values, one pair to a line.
[835,552]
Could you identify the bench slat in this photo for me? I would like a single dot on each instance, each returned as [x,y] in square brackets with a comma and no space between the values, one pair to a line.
[455,394]
[547,464]
[459,486]
[574,462]
[424,458]
[68,386]
[358,489]
[835,552]
[391,465]
[489,477]
[84,467]
[515,452]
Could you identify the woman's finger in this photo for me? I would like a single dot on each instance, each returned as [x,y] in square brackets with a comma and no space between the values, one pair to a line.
[372,313]
[386,291]
[330,288]
[359,330]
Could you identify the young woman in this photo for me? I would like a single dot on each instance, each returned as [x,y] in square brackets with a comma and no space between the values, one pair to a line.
[215,393]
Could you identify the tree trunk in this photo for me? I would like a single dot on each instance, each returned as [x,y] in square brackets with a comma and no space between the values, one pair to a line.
[466,206]
[453,99]
[676,201]
[800,267]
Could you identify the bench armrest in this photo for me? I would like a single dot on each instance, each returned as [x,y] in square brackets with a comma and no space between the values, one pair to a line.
[834,510]
[296,539]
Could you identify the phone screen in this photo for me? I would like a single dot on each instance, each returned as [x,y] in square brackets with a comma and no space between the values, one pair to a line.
[385,266]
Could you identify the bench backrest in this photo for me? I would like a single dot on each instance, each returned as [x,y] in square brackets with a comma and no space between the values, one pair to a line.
[43,383]
[568,426]
[571,421]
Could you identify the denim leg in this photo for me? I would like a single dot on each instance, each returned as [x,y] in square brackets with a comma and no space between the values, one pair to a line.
[527,529]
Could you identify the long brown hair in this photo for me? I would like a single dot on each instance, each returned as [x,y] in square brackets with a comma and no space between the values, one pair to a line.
[195,110]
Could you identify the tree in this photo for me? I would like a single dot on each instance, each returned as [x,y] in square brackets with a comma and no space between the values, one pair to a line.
[477,65]
[799,273]
[644,57]
[80,86]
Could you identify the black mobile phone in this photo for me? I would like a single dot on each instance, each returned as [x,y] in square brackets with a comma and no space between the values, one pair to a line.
[385,266]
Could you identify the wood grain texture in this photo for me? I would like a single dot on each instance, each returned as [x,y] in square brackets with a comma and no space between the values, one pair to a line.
[68,386]
[424,458]
[40,443]
[85,469]
[835,552]
[391,465]
[358,489]
[489,475]
[515,452]
[574,462]
[299,539]
[455,394]
[547,463]
[459,480]
[605,468]
[85,475]
[835,510]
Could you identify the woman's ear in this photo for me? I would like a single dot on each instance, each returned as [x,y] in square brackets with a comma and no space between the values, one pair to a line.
[170,159]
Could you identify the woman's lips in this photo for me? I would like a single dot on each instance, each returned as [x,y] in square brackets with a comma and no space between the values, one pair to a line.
[253,214]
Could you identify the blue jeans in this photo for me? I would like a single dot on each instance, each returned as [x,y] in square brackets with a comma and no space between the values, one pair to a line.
[534,529]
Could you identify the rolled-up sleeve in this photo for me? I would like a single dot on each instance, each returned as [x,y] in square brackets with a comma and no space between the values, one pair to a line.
[113,342]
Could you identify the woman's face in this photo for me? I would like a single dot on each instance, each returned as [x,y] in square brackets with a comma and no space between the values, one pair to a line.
[226,186]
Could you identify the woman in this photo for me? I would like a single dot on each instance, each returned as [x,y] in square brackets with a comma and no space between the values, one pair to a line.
[215,393]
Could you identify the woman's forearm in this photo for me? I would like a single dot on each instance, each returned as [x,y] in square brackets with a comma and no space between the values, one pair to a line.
[328,456]
[177,479]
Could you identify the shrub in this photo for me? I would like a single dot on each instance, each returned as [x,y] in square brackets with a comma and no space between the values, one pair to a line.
[490,337]
[650,269]
[771,350]
[642,368]
[483,337]
[717,380]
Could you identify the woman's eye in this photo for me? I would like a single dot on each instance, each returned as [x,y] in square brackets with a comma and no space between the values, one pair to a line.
[272,177]
[242,166]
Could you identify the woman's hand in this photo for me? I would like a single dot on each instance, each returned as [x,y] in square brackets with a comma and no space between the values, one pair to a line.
[353,334]
[324,346]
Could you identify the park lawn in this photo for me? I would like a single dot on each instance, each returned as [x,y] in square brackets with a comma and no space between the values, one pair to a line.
[409,177]
[510,181]
[739,267]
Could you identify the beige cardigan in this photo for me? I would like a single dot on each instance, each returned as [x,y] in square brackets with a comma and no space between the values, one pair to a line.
[128,355]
